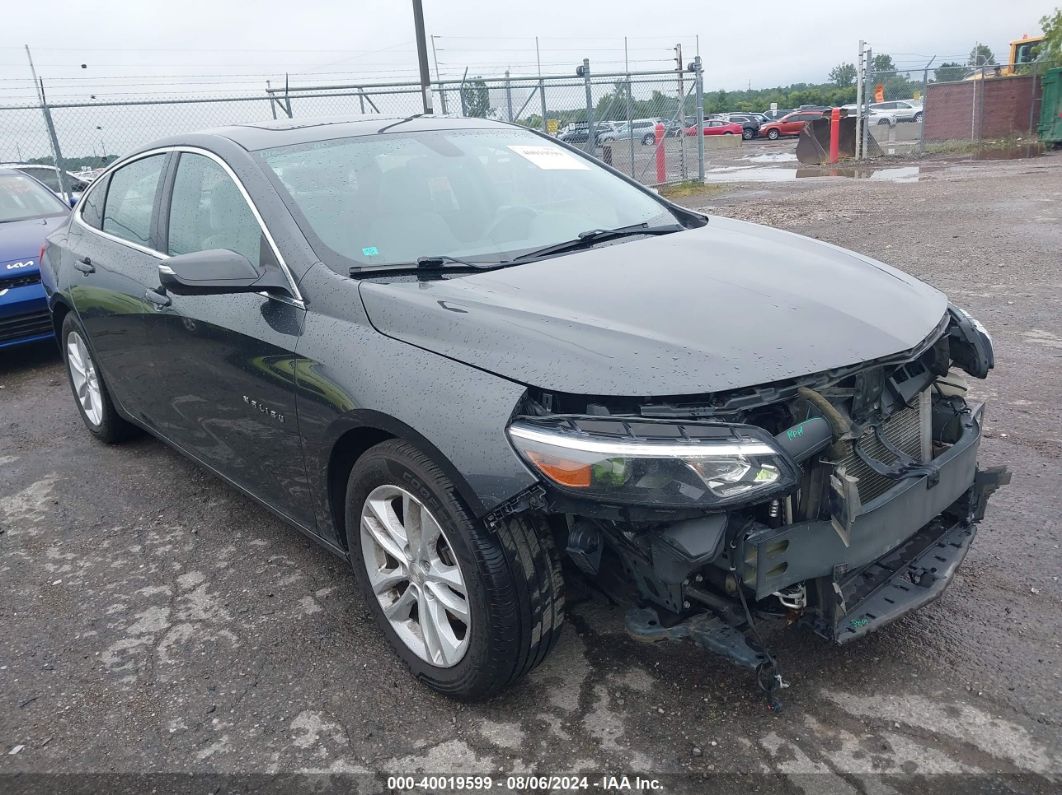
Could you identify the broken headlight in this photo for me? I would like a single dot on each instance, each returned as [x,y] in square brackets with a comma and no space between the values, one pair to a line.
[660,464]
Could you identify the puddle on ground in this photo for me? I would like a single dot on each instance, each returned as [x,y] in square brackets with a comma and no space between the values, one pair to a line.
[754,174]
[1010,152]
[772,157]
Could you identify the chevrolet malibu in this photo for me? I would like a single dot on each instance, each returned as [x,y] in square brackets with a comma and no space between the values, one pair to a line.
[457,353]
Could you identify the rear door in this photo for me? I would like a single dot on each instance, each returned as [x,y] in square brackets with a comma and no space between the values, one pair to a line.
[226,381]
[113,253]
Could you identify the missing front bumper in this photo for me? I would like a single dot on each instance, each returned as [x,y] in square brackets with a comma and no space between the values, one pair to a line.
[911,576]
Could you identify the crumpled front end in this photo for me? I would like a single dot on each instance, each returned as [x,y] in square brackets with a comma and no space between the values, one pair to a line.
[839,501]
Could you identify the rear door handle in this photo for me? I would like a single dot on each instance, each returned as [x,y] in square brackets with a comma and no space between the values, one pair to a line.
[157,299]
[85,266]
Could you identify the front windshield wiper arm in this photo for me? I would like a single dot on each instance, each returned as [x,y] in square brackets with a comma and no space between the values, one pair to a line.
[423,264]
[592,236]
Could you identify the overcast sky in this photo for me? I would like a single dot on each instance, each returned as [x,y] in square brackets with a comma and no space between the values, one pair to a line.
[133,47]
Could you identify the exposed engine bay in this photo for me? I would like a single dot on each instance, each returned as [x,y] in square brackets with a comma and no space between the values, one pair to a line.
[838,501]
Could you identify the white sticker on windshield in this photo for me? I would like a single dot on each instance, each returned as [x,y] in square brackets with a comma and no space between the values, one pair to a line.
[550,158]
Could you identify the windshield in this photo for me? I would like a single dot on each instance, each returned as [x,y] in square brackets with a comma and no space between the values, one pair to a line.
[22,198]
[483,195]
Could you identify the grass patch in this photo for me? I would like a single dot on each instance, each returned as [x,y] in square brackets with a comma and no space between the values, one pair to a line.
[693,187]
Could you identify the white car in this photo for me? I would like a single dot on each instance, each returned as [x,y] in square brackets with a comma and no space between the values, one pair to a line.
[49,175]
[896,111]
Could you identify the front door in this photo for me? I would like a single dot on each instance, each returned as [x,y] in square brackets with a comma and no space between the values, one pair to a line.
[227,383]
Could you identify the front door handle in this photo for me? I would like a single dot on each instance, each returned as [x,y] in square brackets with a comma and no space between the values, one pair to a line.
[85,266]
[157,299]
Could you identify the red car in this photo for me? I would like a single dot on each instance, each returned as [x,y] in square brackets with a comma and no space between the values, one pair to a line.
[790,124]
[716,127]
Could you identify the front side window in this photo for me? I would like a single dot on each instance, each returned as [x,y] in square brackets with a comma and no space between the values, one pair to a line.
[131,198]
[483,194]
[21,198]
[208,211]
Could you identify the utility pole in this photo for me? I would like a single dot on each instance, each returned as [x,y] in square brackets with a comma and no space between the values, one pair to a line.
[422,56]
[435,57]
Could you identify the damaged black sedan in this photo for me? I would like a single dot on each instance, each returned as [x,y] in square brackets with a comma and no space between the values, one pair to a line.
[456,352]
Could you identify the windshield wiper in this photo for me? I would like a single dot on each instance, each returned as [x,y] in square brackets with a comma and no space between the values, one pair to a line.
[593,236]
[422,264]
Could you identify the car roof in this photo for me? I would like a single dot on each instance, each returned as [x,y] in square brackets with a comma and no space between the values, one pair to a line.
[285,132]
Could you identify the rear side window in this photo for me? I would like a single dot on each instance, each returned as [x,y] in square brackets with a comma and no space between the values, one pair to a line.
[92,207]
[208,211]
[46,175]
[130,199]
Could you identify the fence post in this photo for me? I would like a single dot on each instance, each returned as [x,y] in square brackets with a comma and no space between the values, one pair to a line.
[630,120]
[698,81]
[57,155]
[858,148]
[542,96]
[508,95]
[925,108]
[591,139]
[868,71]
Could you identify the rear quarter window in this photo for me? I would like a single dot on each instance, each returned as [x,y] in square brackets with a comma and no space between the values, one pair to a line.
[92,206]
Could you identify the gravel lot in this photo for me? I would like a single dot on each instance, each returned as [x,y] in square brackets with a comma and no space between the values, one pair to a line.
[153,620]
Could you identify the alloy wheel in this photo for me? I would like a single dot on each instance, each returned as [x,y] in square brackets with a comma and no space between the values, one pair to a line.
[84,377]
[415,576]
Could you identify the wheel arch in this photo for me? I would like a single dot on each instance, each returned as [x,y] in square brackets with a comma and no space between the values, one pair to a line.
[359,431]
[60,309]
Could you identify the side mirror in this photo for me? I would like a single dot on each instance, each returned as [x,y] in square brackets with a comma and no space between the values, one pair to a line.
[216,271]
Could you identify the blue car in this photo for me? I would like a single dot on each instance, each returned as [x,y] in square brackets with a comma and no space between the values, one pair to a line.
[29,212]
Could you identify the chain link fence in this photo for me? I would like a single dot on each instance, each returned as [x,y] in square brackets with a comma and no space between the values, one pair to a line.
[954,107]
[613,116]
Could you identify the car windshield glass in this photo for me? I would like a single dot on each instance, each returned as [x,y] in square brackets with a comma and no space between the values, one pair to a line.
[22,198]
[483,195]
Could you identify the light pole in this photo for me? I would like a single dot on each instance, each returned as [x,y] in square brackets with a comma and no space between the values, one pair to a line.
[422,56]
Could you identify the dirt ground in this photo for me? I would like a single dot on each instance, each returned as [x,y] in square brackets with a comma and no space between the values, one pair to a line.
[152,620]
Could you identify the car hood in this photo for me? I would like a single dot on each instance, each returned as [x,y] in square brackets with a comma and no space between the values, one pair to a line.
[724,306]
[21,241]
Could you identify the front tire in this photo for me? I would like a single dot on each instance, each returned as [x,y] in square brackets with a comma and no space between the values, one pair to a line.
[918,118]
[773,134]
[469,610]
[91,396]
[648,140]
[748,134]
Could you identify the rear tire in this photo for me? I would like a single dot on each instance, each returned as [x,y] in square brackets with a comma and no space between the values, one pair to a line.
[513,590]
[648,140]
[918,118]
[91,396]
[748,134]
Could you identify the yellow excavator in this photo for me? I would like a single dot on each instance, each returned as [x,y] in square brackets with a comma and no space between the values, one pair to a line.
[1023,52]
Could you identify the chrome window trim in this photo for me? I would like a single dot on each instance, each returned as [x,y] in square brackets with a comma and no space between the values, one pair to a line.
[296,299]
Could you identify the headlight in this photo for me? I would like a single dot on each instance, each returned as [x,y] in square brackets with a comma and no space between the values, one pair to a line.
[663,464]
